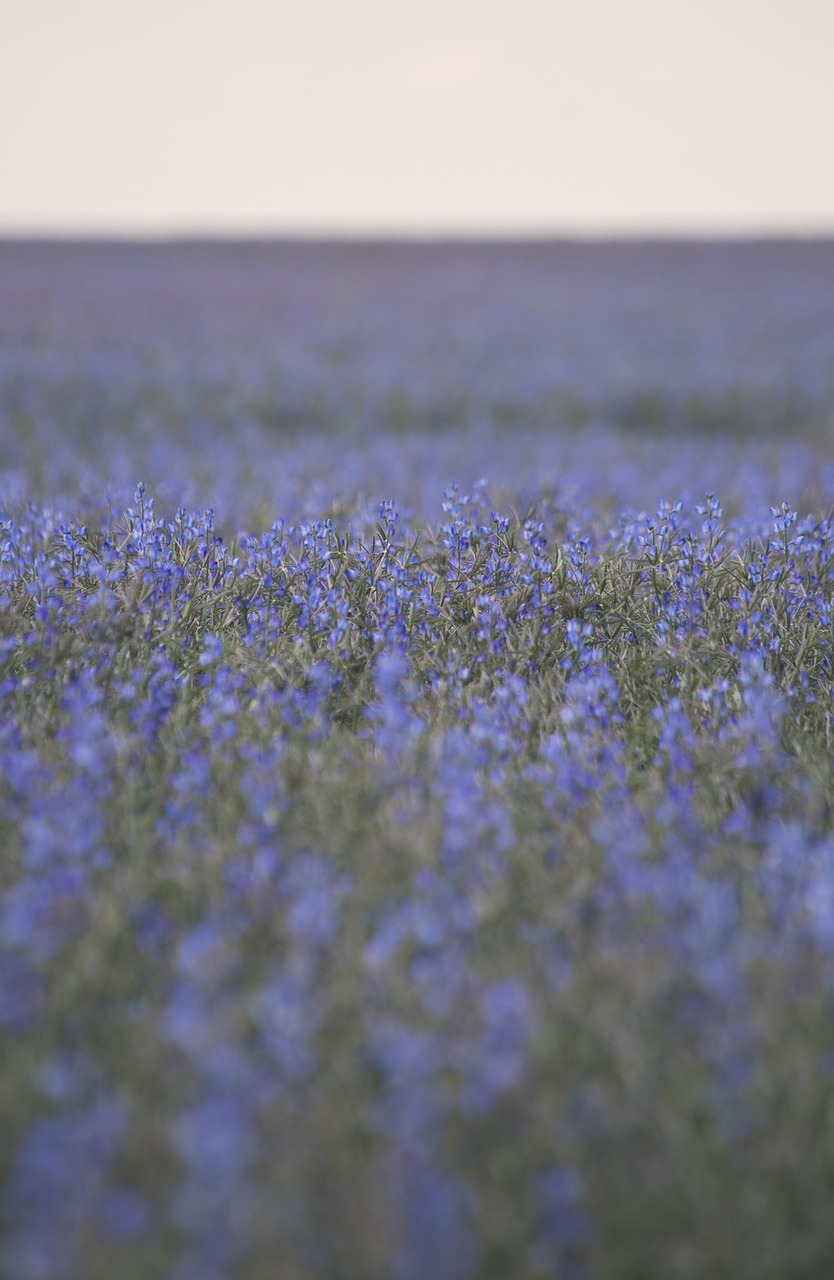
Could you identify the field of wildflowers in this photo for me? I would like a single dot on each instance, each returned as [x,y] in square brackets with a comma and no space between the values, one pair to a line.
[405,874]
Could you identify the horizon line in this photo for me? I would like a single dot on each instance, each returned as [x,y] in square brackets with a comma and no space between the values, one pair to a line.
[434,235]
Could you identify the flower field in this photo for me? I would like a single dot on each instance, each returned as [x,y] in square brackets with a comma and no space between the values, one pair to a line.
[403,873]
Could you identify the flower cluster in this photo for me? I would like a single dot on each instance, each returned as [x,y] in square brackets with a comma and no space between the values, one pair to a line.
[447,900]
[435,888]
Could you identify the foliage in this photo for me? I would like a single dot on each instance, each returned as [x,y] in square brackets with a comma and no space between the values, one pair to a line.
[442,889]
[392,902]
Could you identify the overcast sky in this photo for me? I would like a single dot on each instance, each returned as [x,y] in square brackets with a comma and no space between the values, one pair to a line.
[417,116]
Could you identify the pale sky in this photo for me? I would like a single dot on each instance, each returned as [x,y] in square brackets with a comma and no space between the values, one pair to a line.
[417,116]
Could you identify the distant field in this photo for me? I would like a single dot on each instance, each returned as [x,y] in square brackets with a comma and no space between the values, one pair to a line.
[278,378]
[416,790]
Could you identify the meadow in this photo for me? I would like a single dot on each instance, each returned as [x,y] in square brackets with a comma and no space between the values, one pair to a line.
[416,791]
